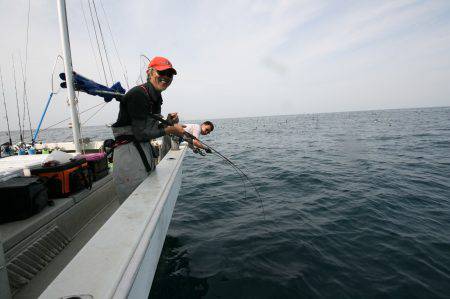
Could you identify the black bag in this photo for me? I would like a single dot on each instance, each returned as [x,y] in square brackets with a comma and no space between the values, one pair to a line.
[21,198]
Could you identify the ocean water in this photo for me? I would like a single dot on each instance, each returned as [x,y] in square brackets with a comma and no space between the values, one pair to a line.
[356,205]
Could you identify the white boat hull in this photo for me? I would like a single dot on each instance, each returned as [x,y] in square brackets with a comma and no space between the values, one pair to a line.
[120,260]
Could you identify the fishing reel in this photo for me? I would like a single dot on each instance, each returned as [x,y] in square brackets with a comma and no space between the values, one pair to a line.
[195,149]
[198,151]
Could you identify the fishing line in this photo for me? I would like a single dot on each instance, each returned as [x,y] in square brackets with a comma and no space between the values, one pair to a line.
[201,153]
[231,163]
[240,175]
[190,136]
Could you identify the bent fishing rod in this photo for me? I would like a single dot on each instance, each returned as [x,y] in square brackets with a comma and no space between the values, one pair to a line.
[243,175]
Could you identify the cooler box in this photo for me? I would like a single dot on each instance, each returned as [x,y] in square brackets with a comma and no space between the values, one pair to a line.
[21,197]
[65,179]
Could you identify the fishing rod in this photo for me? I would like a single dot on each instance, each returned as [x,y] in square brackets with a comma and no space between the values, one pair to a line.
[140,66]
[231,163]
[25,99]
[4,104]
[17,99]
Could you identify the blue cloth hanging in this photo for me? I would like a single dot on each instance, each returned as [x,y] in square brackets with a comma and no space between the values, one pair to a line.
[88,86]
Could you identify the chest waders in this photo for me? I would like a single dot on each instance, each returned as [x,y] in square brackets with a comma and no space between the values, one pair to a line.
[126,137]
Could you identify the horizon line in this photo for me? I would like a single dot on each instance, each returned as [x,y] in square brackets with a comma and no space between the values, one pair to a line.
[257,116]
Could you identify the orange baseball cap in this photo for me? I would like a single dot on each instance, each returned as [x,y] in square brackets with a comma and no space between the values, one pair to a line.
[161,64]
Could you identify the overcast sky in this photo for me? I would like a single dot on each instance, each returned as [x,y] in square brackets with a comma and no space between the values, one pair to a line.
[240,58]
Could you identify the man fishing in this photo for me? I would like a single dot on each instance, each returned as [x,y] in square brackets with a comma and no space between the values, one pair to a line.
[195,130]
[135,127]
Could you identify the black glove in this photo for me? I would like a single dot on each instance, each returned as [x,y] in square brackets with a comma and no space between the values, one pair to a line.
[209,151]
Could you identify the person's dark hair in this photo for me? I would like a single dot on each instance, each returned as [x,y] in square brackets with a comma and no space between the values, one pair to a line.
[208,123]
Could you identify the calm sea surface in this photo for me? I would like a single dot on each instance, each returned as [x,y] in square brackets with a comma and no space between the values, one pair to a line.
[357,205]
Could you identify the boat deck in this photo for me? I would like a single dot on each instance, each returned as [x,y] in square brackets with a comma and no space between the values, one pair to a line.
[38,248]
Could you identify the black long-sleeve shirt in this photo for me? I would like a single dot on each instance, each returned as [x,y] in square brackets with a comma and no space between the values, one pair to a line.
[135,108]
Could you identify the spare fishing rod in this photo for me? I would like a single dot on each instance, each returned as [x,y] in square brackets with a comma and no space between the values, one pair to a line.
[4,104]
[17,100]
[25,99]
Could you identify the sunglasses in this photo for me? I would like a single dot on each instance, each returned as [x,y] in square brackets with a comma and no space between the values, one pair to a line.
[166,73]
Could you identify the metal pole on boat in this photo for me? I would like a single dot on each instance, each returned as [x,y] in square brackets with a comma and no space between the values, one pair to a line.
[6,110]
[62,16]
